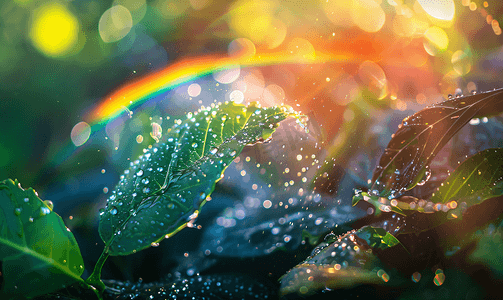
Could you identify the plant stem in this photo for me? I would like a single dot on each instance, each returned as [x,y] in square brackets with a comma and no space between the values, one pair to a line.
[95,278]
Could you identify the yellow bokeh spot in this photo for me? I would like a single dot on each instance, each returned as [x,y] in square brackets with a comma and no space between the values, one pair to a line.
[368,15]
[251,19]
[373,76]
[54,30]
[461,62]
[436,40]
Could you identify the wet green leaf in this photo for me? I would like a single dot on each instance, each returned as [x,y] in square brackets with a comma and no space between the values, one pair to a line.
[39,254]
[378,238]
[342,262]
[478,178]
[163,191]
[420,137]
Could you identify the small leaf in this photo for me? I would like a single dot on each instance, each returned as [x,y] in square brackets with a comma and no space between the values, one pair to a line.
[39,254]
[378,238]
[478,178]
[166,187]
[420,137]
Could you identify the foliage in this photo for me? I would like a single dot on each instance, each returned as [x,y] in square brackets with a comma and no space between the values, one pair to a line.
[166,187]
[34,245]
[403,166]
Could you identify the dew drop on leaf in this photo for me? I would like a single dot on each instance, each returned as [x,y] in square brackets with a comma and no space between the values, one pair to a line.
[113,211]
[49,204]
[44,211]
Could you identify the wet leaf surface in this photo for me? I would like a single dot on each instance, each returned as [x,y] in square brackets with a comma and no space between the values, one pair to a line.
[405,162]
[214,287]
[477,179]
[35,245]
[166,187]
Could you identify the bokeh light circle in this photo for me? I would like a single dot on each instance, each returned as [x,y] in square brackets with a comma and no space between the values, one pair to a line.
[54,30]
[237,96]
[194,90]
[439,9]
[461,62]
[373,76]
[241,48]
[227,76]
[368,15]
[115,24]
[80,133]
[436,41]
[302,49]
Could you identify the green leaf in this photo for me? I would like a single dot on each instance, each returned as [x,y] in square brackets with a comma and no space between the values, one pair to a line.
[478,178]
[378,238]
[38,252]
[343,262]
[420,137]
[164,189]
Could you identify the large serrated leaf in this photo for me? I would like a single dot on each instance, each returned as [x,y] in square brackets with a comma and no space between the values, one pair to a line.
[39,254]
[167,186]
[478,178]
[421,136]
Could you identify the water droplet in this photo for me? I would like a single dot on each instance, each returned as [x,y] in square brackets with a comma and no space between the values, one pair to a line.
[233,153]
[139,173]
[49,204]
[214,151]
[44,211]
[17,211]
[26,200]
[194,145]
[113,210]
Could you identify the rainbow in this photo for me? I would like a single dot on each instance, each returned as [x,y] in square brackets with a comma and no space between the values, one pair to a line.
[134,93]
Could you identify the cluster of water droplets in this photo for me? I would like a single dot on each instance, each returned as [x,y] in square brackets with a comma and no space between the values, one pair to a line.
[31,211]
[152,196]
[196,287]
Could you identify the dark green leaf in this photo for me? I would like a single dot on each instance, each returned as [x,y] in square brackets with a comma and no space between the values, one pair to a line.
[166,187]
[39,254]
[342,262]
[421,136]
[478,178]
[377,238]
